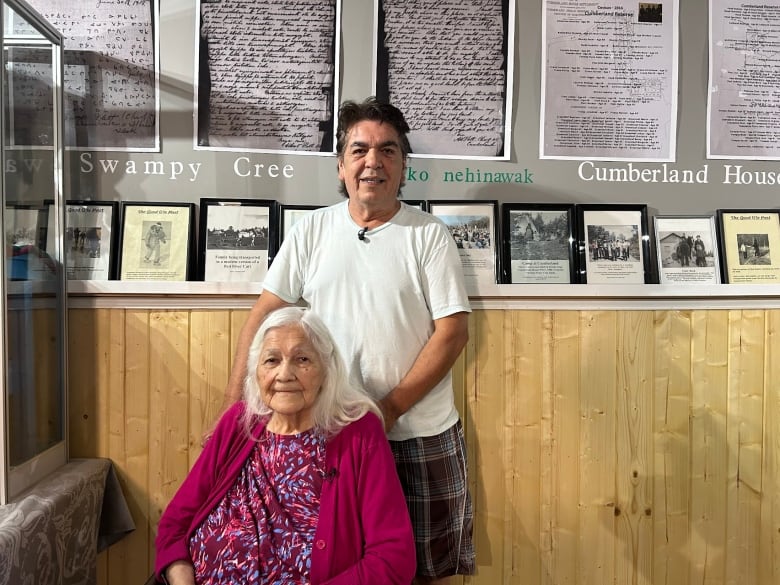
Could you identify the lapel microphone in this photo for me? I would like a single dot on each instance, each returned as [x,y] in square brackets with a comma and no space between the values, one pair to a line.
[362,233]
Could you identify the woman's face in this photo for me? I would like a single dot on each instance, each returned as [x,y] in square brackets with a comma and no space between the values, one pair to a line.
[289,371]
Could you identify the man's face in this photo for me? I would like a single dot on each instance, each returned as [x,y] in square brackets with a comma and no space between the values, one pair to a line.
[372,165]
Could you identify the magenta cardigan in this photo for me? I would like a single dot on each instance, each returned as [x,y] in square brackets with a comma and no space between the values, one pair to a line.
[363,536]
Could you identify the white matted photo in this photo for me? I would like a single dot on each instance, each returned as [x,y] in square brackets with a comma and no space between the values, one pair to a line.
[687,249]
[289,215]
[538,243]
[473,227]
[614,244]
[235,239]
[89,237]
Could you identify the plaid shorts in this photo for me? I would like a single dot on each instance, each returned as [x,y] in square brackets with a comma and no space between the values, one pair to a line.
[433,476]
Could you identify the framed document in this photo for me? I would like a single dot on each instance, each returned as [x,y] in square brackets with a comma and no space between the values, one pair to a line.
[235,237]
[538,243]
[90,239]
[687,249]
[614,244]
[157,241]
[474,227]
[750,240]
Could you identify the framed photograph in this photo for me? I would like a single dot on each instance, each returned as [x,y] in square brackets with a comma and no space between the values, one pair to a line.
[90,239]
[157,241]
[420,204]
[289,214]
[474,227]
[750,241]
[235,239]
[614,244]
[687,249]
[26,228]
[538,244]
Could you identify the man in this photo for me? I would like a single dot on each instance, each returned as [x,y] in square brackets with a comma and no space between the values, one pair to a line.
[683,251]
[154,237]
[700,251]
[387,280]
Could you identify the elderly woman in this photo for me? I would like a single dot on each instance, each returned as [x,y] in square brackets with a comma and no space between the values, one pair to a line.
[297,484]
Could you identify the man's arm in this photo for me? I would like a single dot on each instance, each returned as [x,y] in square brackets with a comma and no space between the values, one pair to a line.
[180,573]
[265,303]
[449,337]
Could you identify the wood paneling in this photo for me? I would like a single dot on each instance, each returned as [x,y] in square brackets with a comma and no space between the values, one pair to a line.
[627,447]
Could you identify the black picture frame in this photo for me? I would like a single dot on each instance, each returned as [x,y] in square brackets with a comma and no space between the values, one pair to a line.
[236,239]
[421,204]
[287,215]
[693,261]
[166,256]
[26,227]
[747,238]
[475,228]
[539,244]
[90,239]
[614,244]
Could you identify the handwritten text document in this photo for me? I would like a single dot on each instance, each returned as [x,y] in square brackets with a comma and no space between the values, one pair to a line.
[267,75]
[744,97]
[609,80]
[447,64]
[111,72]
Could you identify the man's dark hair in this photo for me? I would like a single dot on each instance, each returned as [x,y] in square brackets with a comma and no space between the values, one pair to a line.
[350,113]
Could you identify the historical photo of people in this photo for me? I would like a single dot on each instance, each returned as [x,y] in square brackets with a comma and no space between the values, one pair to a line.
[753,249]
[687,249]
[88,238]
[236,238]
[614,244]
[539,244]
[156,241]
[748,237]
[156,249]
[473,227]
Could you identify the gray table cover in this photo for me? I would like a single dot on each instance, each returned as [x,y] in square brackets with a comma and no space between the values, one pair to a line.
[52,533]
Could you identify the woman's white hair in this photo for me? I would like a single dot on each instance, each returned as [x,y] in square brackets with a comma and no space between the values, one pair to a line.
[339,401]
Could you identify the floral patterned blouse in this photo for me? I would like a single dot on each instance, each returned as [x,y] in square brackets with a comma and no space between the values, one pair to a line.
[262,530]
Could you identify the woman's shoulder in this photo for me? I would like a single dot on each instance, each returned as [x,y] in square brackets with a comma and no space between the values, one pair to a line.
[367,425]
[233,419]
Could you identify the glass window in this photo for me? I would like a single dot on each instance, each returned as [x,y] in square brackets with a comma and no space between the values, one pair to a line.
[33,315]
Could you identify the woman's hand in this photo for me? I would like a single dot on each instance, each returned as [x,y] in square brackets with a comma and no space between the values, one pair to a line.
[180,573]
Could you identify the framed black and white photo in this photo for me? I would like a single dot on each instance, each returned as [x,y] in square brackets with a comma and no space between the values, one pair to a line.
[157,241]
[750,241]
[26,227]
[420,204]
[687,249]
[289,215]
[538,243]
[90,239]
[474,227]
[235,239]
[614,244]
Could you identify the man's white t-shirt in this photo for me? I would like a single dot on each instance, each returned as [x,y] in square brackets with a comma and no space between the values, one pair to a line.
[378,296]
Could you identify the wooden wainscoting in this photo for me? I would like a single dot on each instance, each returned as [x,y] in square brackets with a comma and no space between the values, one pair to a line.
[605,447]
